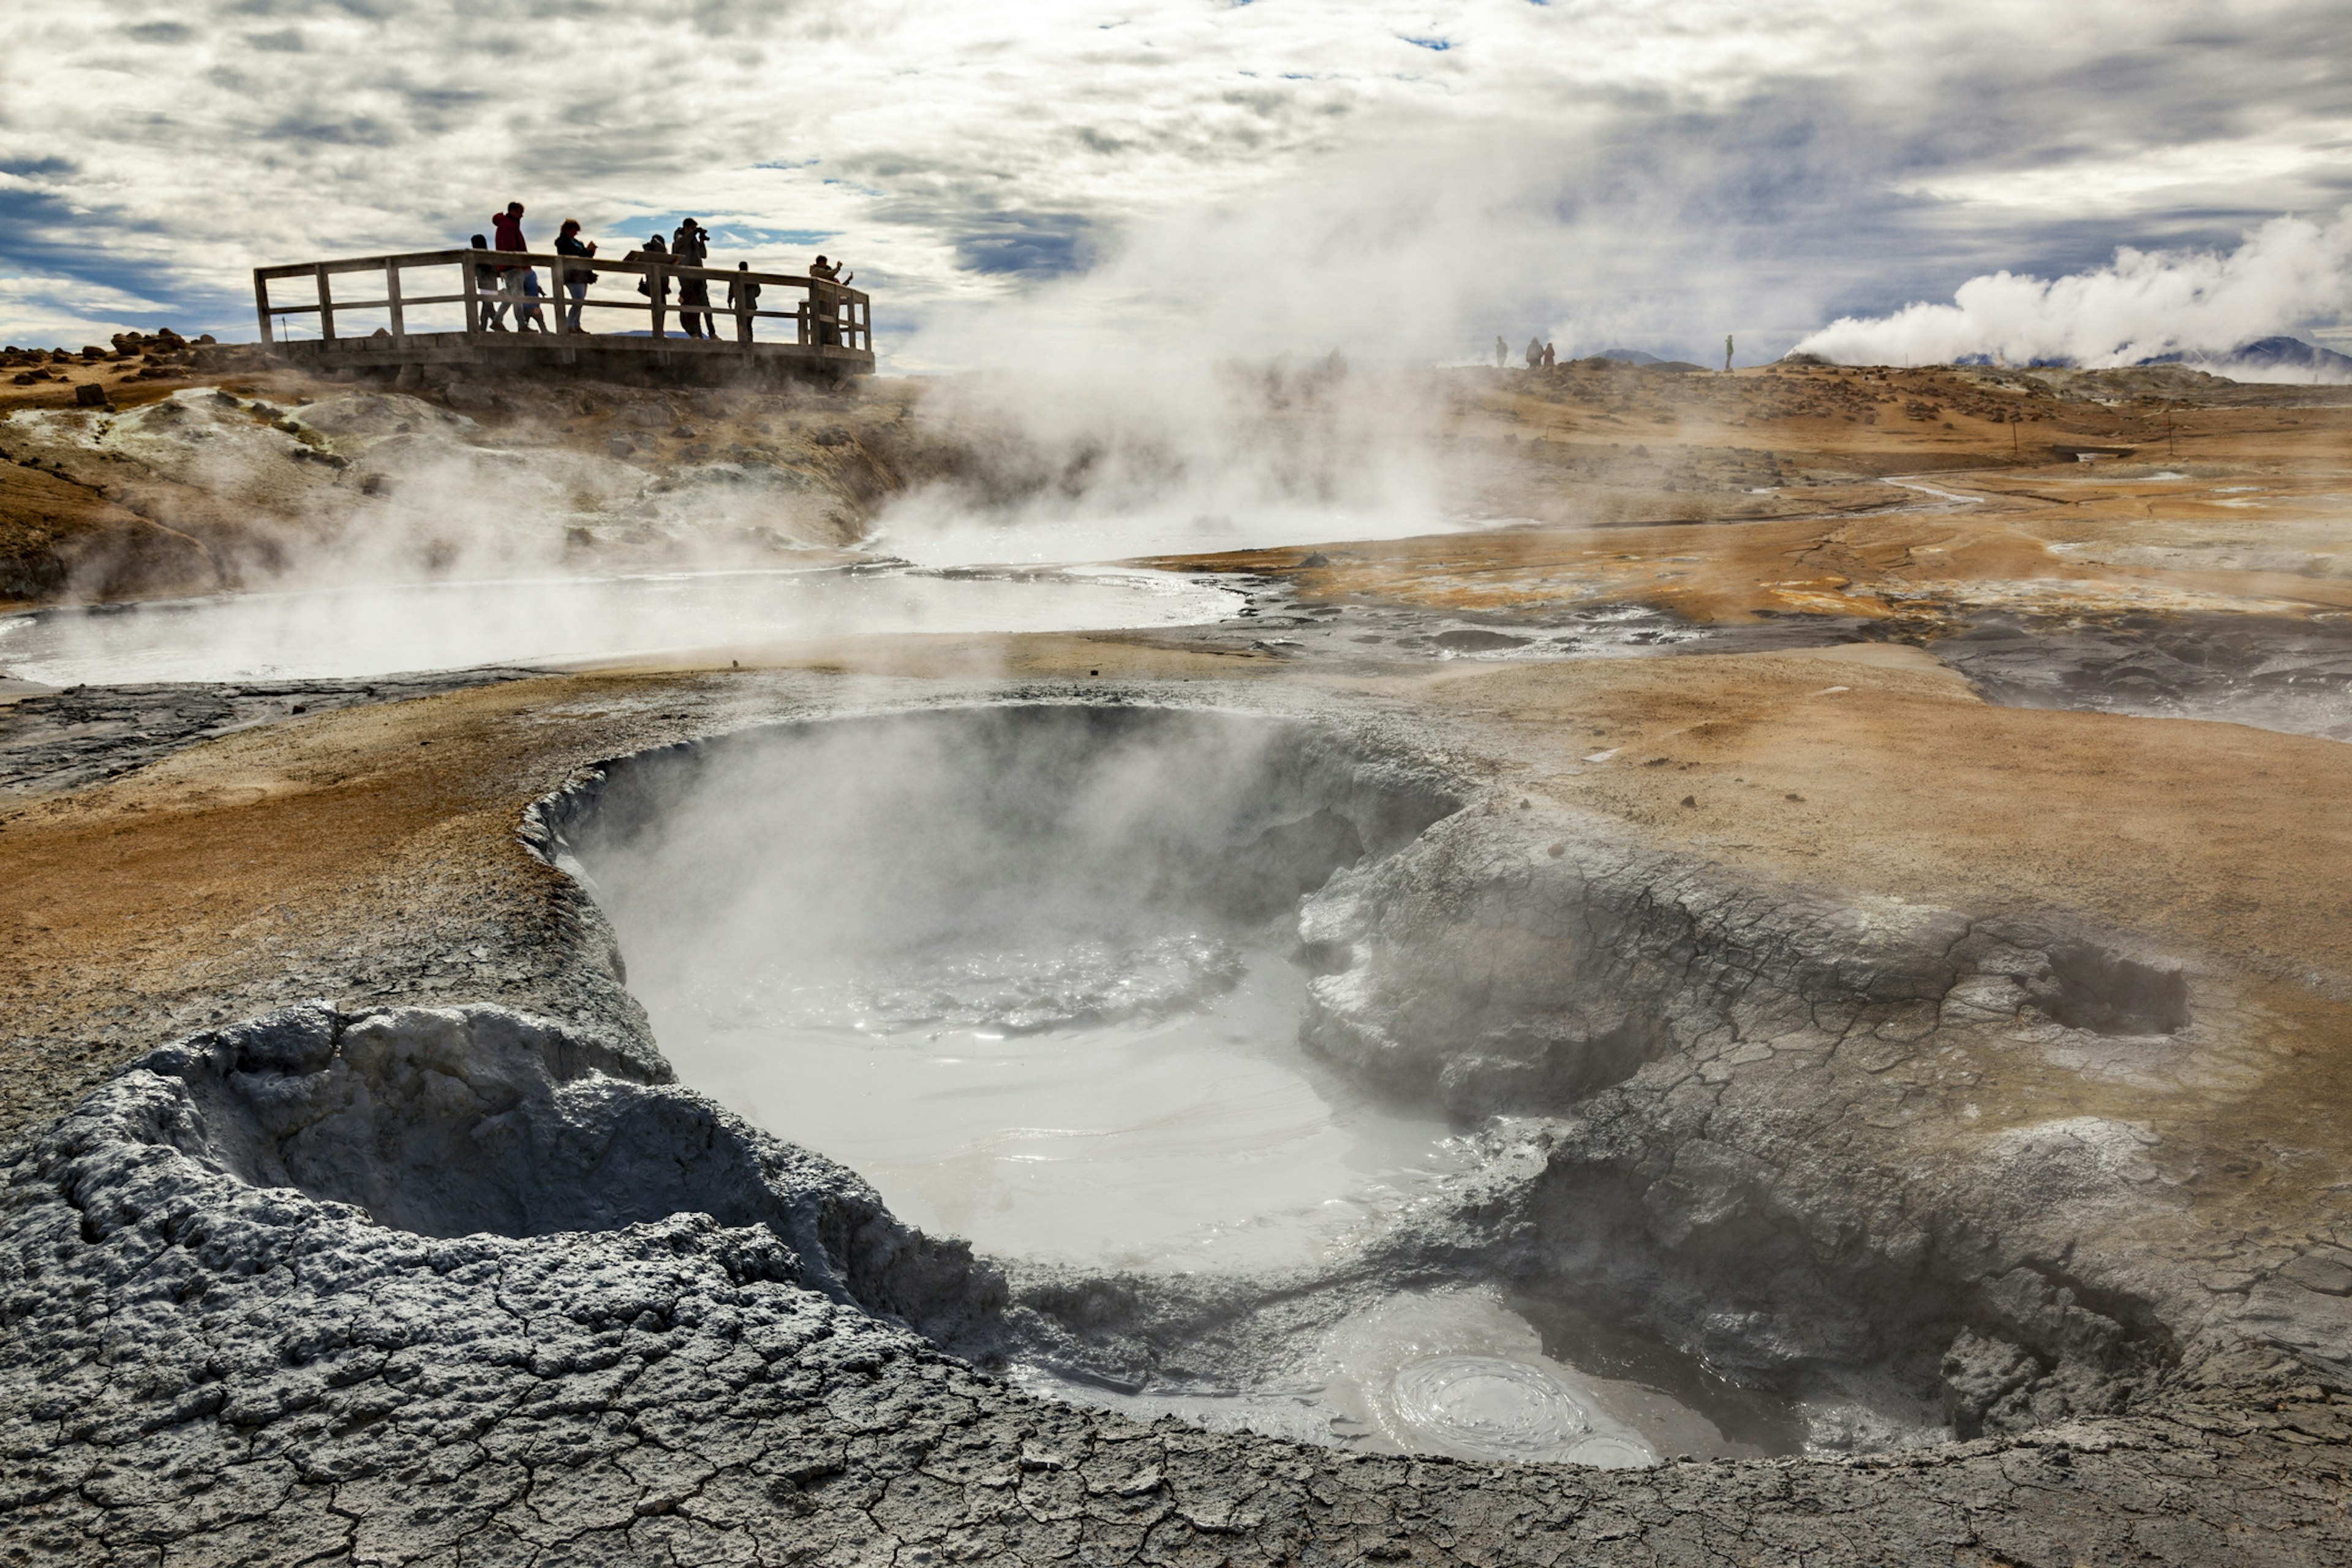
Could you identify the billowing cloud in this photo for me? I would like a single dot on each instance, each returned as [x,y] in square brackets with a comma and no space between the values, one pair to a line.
[2142,305]
[1294,175]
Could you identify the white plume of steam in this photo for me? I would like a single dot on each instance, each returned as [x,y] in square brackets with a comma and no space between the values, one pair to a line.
[2142,305]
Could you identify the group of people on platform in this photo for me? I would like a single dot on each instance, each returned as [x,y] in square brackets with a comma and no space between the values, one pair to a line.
[506,289]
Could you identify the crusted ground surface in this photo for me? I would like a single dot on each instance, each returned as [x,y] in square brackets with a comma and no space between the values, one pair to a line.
[371,855]
[2007,1038]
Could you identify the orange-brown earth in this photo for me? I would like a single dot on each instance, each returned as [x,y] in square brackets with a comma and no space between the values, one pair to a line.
[218,879]
[2210,499]
[371,854]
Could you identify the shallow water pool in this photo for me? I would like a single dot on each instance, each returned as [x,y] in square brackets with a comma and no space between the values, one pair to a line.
[399,628]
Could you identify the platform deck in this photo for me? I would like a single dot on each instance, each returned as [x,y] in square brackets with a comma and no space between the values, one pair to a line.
[824,325]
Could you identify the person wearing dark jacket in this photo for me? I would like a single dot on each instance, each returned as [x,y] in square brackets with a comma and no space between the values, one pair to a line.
[654,250]
[743,298]
[514,283]
[486,283]
[576,277]
[691,247]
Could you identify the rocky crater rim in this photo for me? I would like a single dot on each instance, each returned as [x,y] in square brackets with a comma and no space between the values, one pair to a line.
[1677,1059]
[1692,1091]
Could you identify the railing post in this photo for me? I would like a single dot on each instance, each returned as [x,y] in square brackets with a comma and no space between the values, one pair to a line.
[804,314]
[557,298]
[470,286]
[326,304]
[392,297]
[657,295]
[261,305]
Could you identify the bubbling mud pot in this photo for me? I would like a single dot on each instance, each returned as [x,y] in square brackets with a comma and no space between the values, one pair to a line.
[1038,974]
[1029,970]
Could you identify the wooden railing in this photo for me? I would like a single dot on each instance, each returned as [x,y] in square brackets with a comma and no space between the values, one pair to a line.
[823,316]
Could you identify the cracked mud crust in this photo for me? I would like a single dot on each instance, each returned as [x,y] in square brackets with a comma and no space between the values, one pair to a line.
[205,1357]
[203,1371]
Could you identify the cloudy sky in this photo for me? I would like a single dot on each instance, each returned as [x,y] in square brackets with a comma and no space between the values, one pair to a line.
[1283,175]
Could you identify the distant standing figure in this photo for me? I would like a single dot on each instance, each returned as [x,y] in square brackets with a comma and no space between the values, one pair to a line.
[743,298]
[1502,351]
[1535,353]
[1726,354]
[576,279]
[513,281]
[691,247]
[1550,359]
[654,251]
[485,283]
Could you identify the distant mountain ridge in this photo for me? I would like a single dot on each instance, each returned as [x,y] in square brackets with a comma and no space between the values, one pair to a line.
[2272,355]
[2279,358]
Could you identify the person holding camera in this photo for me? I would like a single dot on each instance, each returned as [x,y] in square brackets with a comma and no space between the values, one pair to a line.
[691,247]
[824,303]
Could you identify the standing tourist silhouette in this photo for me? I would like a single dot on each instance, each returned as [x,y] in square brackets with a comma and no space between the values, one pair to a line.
[575,278]
[825,302]
[654,250]
[691,247]
[743,298]
[485,283]
[515,282]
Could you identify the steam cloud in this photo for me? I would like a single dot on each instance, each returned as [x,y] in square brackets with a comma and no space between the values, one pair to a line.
[2142,305]
[1100,462]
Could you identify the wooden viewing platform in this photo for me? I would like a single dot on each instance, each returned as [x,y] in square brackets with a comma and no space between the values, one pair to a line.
[825,327]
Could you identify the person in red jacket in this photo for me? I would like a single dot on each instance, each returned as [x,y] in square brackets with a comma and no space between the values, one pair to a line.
[515,282]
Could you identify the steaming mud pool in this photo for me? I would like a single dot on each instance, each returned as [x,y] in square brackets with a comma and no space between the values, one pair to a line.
[1037,975]
[394,628]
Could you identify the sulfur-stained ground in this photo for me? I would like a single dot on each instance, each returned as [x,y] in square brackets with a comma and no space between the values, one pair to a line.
[368,854]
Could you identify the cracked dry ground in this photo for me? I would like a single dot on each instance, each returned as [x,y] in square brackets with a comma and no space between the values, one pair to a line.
[197,1370]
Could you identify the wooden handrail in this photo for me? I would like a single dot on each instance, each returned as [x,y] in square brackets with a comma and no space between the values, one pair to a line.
[848,322]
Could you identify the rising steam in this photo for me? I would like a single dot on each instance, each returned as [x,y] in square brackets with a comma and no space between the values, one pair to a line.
[2144,305]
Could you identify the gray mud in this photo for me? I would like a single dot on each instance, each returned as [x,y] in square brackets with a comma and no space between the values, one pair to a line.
[53,741]
[1272,621]
[418,1285]
[222,1347]
[2274,672]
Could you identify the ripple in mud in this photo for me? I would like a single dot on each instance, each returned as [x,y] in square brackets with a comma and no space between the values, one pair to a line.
[1459,1372]
[1015,990]
[1493,1408]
